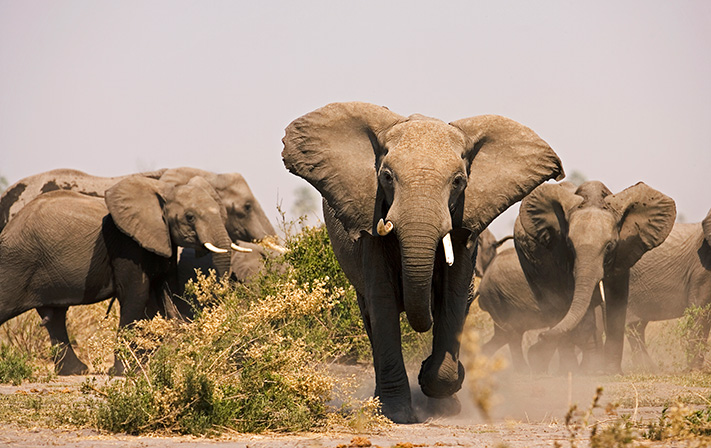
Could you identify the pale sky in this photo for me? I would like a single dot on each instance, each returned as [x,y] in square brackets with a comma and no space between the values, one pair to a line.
[620,89]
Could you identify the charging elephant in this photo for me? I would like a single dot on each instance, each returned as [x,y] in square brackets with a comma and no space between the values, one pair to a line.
[505,294]
[669,279]
[23,191]
[65,248]
[569,241]
[404,200]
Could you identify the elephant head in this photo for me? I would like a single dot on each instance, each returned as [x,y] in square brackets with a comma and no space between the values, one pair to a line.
[245,219]
[417,177]
[706,225]
[600,236]
[160,216]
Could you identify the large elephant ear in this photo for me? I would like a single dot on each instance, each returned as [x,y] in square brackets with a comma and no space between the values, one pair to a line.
[543,213]
[334,148]
[646,218]
[509,161]
[706,225]
[136,206]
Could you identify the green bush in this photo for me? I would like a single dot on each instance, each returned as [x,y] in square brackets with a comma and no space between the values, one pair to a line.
[15,366]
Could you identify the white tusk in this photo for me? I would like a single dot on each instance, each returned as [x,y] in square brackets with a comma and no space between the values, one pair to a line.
[448,251]
[276,247]
[245,250]
[212,248]
[384,228]
[602,290]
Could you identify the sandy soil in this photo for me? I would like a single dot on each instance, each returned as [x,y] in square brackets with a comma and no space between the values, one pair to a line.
[527,412]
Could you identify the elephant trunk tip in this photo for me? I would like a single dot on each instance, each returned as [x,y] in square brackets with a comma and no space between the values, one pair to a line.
[420,323]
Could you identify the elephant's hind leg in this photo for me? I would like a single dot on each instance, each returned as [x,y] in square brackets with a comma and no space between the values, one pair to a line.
[66,361]
[636,338]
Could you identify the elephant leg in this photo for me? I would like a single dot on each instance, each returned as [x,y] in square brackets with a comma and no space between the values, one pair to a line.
[516,349]
[66,361]
[498,340]
[381,318]
[134,294]
[698,342]
[616,293]
[540,354]
[638,344]
[442,374]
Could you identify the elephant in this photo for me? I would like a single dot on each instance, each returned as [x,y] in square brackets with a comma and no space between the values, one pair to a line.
[569,241]
[504,293]
[23,191]
[487,248]
[404,200]
[245,219]
[65,248]
[669,279]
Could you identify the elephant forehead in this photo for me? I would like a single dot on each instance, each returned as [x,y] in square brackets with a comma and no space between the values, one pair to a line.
[592,222]
[430,137]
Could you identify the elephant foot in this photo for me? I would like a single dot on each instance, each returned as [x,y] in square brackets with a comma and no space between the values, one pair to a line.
[66,362]
[118,368]
[443,407]
[443,379]
[400,413]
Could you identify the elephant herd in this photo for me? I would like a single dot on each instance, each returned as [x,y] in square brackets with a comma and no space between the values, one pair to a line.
[69,238]
[406,203]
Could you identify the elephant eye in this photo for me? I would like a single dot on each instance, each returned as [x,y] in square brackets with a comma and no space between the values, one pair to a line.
[386,176]
[190,217]
[459,182]
[247,207]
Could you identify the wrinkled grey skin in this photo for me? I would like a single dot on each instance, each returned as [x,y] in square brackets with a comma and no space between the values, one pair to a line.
[428,179]
[667,280]
[23,191]
[568,241]
[64,248]
[246,220]
[505,294]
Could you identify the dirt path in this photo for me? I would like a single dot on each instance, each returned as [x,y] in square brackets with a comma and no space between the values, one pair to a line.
[527,412]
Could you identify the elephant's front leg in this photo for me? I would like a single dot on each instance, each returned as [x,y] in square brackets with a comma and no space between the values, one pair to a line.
[616,295]
[381,316]
[442,373]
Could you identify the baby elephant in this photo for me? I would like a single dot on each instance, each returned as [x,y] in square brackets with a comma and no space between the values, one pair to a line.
[65,248]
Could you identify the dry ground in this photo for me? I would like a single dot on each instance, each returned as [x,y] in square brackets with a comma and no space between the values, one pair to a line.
[527,412]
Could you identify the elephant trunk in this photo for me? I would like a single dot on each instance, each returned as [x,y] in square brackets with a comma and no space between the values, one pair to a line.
[588,273]
[215,235]
[418,242]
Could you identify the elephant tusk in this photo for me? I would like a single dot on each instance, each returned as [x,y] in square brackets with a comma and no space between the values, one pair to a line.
[448,251]
[384,228]
[602,290]
[274,246]
[245,250]
[212,248]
